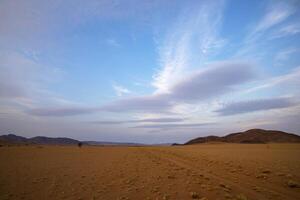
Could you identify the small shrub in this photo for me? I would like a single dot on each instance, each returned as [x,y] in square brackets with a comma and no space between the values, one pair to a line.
[79,144]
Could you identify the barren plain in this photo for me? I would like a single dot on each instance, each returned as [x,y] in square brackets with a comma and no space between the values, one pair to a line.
[206,171]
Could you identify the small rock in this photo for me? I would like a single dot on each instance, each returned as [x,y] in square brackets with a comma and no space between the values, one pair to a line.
[289,175]
[194,195]
[266,171]
[170,177]
[241,197]
[292,184]
[262,176]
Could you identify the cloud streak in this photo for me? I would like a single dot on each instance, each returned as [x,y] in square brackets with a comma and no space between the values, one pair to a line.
[194,33]
[275,14]
[290,80]
[151,120]
[61,111]
[288,30]
[168,126]
[215,80]
[255,105]
[120,90]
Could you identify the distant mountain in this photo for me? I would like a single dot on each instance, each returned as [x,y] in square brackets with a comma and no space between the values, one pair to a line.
[11,138]
[41,140]
[250,136]
[57,141]
[14,139]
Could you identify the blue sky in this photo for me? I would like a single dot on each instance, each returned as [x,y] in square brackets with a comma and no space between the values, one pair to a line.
[148,71]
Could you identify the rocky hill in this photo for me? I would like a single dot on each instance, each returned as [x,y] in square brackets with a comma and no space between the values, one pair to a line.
[250,136]
[14,139]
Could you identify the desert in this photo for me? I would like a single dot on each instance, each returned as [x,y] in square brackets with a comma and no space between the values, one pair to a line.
[149,100]
[205,171]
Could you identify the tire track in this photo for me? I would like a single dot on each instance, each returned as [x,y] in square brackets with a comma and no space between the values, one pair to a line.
[186,163]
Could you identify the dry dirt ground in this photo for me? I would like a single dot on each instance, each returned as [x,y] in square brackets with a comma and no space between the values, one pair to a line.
[209,171]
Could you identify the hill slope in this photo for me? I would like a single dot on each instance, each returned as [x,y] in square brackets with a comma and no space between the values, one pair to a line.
[250,136]
[14,139]
[11,139]
[47,140]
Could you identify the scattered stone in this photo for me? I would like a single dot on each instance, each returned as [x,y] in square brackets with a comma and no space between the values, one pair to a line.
[225,187]
[262,176]
[289,175]
[241,197]
[194,195]
[293,184]
[257,189]
[266,171]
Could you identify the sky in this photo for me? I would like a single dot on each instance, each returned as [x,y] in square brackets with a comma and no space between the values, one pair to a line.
[159,71]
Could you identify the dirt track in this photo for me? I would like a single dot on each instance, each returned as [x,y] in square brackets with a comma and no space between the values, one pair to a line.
[214,171]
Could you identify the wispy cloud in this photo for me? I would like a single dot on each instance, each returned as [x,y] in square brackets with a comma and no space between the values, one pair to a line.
[289,81]
[120,90]
[213,81]
[276,13]
[112,42]
[256,105]
[287,30]
[33,21]
[151,120]
[61,111]
[195,33]
[168,126]
[284,55]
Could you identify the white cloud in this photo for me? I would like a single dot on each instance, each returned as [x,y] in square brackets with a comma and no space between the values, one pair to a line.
[193,38]
[255,44]
[242,107]
[213,81]
[284,55]
[287,30]
[112,42]
[174,126]
[276,13]
[289,81]
[120,90]
[146,120]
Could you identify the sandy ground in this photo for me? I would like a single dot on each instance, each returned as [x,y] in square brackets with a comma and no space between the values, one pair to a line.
[209,171]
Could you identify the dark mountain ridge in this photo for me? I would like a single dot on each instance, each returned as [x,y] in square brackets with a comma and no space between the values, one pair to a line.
[14,139]
[255,136]
[42,140]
